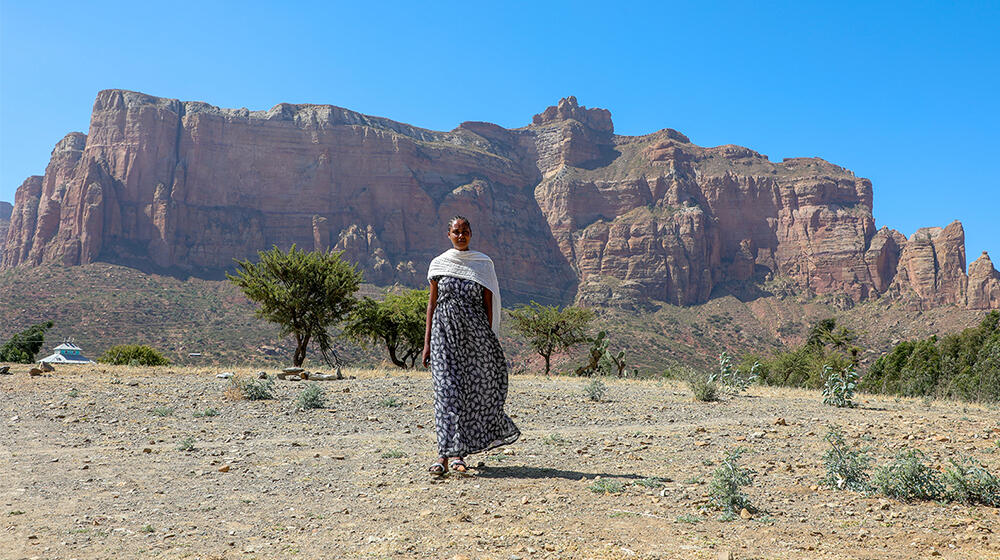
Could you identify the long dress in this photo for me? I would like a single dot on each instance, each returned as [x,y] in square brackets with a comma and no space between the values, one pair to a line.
[469,373]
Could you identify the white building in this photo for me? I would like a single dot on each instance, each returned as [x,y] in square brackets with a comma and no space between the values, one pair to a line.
[66,353]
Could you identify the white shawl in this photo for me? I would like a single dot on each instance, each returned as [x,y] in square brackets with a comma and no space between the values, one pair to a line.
[469,265]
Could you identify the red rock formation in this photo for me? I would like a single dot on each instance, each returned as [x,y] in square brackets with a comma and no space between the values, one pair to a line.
[6,209]
[565,206]
[984,284]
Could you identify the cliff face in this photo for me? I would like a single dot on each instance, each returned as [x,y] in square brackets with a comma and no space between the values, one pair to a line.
[6,209]
[566,207]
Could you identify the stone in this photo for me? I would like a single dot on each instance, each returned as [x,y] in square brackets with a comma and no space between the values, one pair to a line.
[745,514]
[5,370]
[46,367]
[261,375]
[225,375]
[224,468]
[780,422]
[34,372]
[593,216]
[293,378]
[292,370]
[322,377]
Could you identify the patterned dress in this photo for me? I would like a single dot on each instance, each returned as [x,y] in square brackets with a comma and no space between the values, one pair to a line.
[469,373]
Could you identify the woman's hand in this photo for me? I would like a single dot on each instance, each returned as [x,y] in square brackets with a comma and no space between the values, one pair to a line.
[426,355]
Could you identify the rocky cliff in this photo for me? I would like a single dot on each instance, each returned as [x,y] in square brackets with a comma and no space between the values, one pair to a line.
[6,209]
[567,208]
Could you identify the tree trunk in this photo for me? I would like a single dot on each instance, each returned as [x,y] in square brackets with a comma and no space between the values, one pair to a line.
[547,356]
[392,356]
[302,342]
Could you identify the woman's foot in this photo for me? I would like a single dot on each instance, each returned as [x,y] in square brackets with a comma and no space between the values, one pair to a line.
[457,464]
[439,467]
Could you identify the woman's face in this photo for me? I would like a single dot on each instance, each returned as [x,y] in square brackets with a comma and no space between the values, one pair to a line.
[460,234]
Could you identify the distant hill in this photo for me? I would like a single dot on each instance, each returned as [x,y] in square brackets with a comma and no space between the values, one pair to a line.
[100,305]
[570,210]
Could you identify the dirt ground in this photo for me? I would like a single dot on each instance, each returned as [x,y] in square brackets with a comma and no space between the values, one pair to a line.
[92,468]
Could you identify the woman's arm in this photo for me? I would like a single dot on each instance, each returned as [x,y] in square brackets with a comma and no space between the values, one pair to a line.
[431,304]
[488,304]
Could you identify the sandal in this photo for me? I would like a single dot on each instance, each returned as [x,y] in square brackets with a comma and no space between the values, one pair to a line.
[458,465]
[438,468]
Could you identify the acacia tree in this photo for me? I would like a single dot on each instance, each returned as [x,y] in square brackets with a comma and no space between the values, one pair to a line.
[303,292]
[398,322]
[23,346]
[550,329]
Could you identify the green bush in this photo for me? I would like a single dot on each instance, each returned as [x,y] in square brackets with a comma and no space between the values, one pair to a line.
[964,365]
[728,480]
[595,390]
[133,355]
[968,482]
[846,466]
[839,388]
[607,486]
[253,389]
[908,478]
[736,378]
[24,346]
[313,396]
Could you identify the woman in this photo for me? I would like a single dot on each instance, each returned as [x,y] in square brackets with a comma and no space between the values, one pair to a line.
[468,368]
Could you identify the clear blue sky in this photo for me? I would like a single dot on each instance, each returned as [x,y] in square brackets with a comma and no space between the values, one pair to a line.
[904,93]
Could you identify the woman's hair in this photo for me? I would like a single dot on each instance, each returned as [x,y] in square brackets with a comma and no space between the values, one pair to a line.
[454,219]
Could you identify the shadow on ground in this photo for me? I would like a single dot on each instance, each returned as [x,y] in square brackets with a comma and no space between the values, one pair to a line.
[538,472]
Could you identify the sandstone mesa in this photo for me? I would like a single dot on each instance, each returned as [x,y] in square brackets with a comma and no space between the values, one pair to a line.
[568,209]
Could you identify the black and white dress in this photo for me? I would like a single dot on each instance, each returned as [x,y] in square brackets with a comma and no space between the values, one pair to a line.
[469,373]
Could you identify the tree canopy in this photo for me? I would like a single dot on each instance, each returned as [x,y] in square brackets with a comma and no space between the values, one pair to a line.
[303,292]
[550,329]
[24,346]
[398,322]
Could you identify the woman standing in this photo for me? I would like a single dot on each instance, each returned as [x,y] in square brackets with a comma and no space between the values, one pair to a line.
[468,368]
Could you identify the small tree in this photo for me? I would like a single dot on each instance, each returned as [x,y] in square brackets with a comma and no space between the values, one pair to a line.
[24,346]
[550,329]
[304,293]
[133,354]
[398,321]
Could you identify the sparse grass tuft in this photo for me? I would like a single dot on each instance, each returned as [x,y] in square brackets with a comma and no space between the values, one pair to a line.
[313,396]
[702,385]
[242,387]
[595,390]
[393,454]
[650,482]
[390,402]
[607,486]
[908,478]
[73,393]
[205,413]
[147,529]
[163,411]
[554,439]
[846,466]
[186,444]
[729,478]
[688,518]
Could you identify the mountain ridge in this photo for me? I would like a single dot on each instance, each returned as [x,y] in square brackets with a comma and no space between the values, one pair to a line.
[569,210]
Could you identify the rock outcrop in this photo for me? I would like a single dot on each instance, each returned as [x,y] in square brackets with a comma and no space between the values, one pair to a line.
[6,209]
[567,208]
[984,284]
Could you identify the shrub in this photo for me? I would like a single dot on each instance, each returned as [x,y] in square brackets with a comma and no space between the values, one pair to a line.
[313,396]
[725,490]
[186,444]
[393,454]
[23,346]
[607,486]
[133,355]
[970,483]
[250,388]
[163,411]
[839,387]
[846,466]
[206,412]
[735,378]
[595,390]
[908,478]
[390,402]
